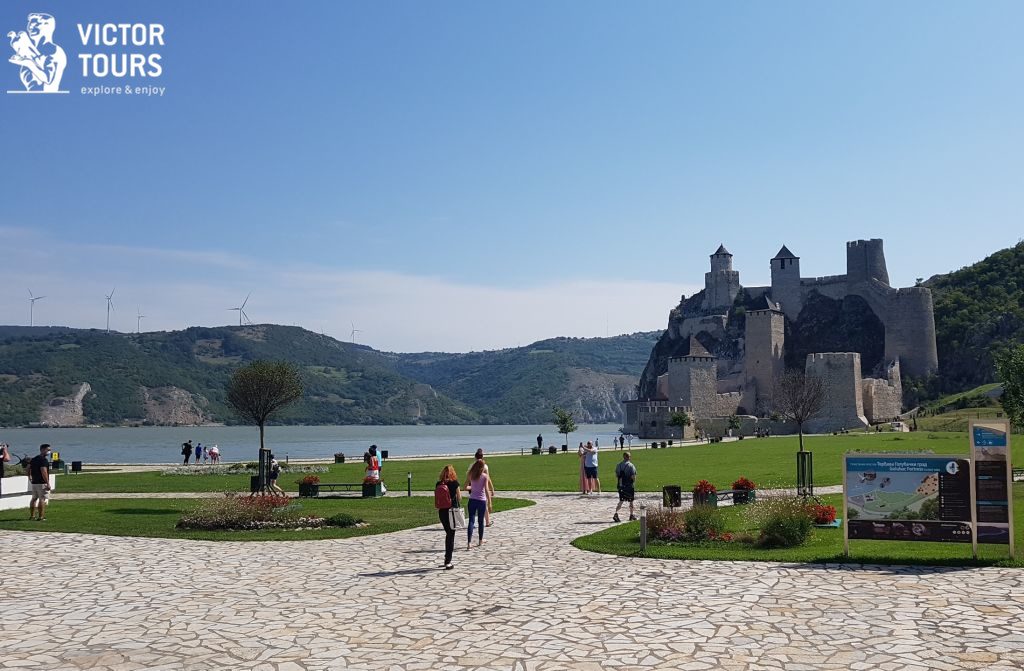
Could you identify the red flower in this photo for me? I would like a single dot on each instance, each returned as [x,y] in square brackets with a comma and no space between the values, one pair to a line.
[704,487]
[824,514]
[744,484]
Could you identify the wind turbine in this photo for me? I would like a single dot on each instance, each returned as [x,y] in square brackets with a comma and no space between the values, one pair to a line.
[354,332]
[138,320]
[110,306]
[241,310]
[32,306]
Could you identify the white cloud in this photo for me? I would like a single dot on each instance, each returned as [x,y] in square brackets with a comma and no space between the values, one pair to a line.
[176,288]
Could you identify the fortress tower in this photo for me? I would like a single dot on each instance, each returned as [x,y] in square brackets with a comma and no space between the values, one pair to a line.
[786,282]
[865,261]
[692,380]
[721,284]
[763,359]
[844,396]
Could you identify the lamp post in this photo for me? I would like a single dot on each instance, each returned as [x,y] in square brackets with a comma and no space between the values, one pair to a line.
[408,479]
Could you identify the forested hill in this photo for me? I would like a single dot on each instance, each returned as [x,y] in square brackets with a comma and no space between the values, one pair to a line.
[588,375]
[62,376]
[979,310]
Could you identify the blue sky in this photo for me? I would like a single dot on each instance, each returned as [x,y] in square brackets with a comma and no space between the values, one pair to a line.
[457,176]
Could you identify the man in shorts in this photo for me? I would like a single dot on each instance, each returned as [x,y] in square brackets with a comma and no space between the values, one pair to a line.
[625,473]
[39,477]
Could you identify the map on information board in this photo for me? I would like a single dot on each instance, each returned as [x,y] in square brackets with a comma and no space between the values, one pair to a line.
[908,497]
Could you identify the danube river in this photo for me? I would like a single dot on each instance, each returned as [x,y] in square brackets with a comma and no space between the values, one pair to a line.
[160,444]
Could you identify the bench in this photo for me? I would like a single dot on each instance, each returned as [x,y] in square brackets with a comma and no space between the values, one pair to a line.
[347,485]
[1018,474]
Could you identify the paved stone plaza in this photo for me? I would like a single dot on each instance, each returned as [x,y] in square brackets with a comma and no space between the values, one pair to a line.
[526,600]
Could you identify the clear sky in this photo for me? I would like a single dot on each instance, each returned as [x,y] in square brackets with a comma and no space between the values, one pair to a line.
[466,175]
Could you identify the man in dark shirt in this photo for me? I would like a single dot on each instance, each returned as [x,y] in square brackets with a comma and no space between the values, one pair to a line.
[39,478]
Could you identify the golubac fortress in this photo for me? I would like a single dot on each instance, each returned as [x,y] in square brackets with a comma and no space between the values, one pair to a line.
[725,347]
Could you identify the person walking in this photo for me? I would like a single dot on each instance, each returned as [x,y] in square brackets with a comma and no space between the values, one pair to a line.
[590,466]
[186,450]
[625,475]
[275,473]
[477,487]
[39,477]
[199,452]
[5,456]
[540,441]
[479,456]
[447,495]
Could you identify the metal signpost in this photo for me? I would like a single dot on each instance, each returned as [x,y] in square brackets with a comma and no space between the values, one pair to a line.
[993,482]
[907,497]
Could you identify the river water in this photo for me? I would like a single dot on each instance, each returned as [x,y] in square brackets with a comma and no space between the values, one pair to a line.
[160,444]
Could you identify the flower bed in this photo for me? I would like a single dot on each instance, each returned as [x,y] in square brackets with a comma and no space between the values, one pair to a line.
[256,512]
[237,469]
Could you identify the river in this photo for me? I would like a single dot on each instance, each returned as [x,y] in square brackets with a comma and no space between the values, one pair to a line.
[162,444]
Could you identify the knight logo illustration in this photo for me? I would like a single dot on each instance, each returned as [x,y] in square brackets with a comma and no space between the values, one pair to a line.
[40,61]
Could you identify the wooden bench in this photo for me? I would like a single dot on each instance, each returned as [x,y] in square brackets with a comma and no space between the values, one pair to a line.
[1018,474]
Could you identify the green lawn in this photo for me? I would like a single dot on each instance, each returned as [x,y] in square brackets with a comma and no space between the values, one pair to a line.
[156,518]
[768,462]
[825,545]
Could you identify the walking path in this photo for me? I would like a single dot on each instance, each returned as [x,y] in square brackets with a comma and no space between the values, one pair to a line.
[526,600]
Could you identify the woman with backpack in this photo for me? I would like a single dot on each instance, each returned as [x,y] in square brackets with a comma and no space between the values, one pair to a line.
[477,488]
[447,496]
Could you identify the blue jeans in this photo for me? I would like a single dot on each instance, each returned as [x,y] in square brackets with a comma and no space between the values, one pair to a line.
[476,514]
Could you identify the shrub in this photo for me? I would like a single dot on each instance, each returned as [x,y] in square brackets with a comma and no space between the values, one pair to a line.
[744,484]
[665,524]
[342,520]
[702,523]
[785,521]
[245,513]
[236,469]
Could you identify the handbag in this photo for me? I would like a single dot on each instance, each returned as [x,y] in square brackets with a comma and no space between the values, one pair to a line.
[458,518]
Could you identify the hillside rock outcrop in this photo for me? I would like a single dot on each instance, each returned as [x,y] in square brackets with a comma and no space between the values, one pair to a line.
[65,410]
[171,406]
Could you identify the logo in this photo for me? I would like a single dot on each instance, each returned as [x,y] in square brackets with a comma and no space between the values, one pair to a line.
[40,60]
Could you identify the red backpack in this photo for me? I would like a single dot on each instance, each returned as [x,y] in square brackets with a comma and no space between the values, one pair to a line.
[442,496]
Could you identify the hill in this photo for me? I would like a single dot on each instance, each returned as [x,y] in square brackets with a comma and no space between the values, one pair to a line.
[70,377]
[590,376]
[63,376]
[979,310]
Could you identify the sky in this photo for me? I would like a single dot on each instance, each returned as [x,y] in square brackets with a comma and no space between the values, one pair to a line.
[457,176]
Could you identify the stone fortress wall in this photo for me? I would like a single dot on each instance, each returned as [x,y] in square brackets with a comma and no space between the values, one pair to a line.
[906,314]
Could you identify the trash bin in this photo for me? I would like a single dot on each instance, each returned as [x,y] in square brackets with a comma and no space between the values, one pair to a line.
[551,449]
[672,496]
[339,458]
[76,467]
[384,455]
[565,448]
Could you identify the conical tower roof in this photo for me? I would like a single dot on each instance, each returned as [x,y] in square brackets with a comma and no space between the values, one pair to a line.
[722,251]
[784,253]
[696,349]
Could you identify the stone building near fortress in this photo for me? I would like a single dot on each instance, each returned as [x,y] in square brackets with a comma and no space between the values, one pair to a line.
[725,346]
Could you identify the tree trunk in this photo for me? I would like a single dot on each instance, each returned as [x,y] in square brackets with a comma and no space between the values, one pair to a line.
[800,429]
[261,436]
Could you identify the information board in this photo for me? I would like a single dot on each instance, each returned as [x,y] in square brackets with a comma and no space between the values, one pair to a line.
[990,450]
[907,497]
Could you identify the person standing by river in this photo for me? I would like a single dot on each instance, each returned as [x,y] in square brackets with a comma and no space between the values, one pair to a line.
[590,466]
[186,451]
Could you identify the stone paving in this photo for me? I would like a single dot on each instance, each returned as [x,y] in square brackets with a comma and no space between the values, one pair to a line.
[526,600]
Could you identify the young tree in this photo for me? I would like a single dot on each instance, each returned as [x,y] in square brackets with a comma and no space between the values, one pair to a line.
[734,423]
[262,388]
[565,422]
[681,420]
[1010,365]
[798,397]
